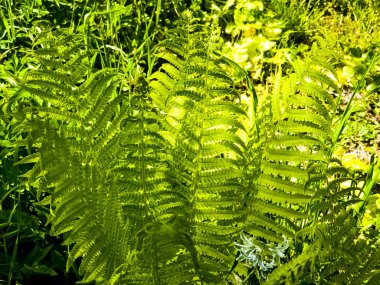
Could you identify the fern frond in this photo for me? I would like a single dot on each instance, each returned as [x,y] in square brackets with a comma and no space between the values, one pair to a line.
[77,121]
[207,146]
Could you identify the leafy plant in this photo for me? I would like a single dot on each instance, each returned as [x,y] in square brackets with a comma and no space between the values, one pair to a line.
[151,180]
[254,32]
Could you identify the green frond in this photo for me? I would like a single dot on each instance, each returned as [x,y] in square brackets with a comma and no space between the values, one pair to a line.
[269,235]
[41,94]
[189,94]
[51,75]
[171,70]
[260,220]
[310,103]
[215,255]
[160,95]
[51,51]
[77,58]
[295,141]
[321,78]
[78,125]
[284,272]
[300,116]
[164,79]
[174,47]
[292,155]
[109,134]
[275,209]
[282,184]
[201,70]
[101,94]
[103,118]
[76,73]
[322,63]
[317,92]
[172,59]
[281,197]
[32,158]
[58,114]
[300,128]
[284,170]
[88,85]
[204,127]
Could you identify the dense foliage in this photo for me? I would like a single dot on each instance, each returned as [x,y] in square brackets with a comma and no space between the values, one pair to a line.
[189,142]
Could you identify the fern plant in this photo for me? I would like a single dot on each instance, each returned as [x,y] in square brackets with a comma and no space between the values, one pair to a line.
[334,248]
[153,181]
[202,123]
[149,201]
[74,120]
[328,243]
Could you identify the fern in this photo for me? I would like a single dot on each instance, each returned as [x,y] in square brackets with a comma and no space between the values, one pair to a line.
[334,249]
[290,133]
[148,200]
[206,148]
[153,181]
[76,145]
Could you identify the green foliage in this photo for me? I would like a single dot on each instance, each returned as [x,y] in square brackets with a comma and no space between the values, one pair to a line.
[206,149]
[74,121]
[150,163]
[254,31]
[338,245]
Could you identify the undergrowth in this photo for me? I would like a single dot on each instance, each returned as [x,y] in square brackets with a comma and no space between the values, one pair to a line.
[180,174]
[153,183]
